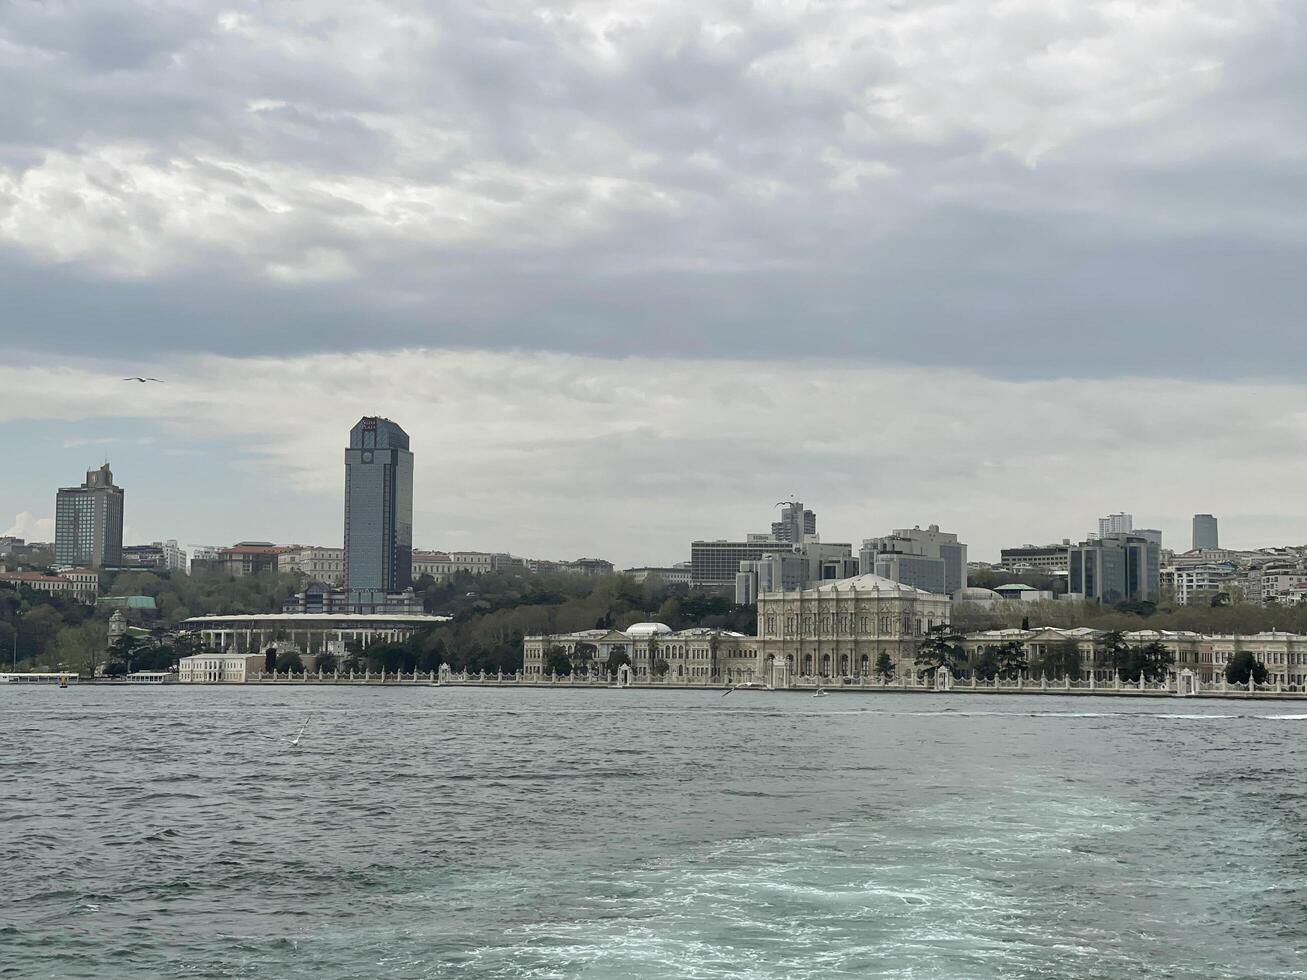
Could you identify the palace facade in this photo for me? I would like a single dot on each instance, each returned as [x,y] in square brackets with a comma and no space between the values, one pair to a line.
[838,629]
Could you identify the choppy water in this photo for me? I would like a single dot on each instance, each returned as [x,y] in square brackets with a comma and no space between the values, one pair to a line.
[620,834]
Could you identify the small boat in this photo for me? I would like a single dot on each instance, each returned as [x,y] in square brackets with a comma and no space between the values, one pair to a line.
[63,682]
[821,693]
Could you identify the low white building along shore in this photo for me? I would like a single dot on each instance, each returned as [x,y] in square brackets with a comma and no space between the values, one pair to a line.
[219,668]
[653,650]
[837,629]
[309,634]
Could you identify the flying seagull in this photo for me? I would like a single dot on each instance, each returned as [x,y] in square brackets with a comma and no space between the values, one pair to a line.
[294,743]
[143,380]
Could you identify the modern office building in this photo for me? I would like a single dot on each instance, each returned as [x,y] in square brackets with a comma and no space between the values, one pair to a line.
[929,559]
[1049,558]
[1205,534]
[716,563]
[796,525]
[88,522]
[1148,534]
[378,508]
[1115,568]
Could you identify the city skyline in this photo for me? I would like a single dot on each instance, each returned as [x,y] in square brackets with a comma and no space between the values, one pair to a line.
[912,285]
[737,510]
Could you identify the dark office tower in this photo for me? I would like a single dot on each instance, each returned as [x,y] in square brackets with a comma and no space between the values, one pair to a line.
[88,522]
[1205,536]
[378,508]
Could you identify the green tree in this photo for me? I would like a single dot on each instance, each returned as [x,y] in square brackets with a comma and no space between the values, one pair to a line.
[884,667]
[121,656]
[557,662]
[1060,660]
[353,660]
[326,662]
[661,667]
[1011,659]
[391,657]
[939,649]
[37,629]
[1157,661]
[1150,661]
[987,664]
[80,648]
[290,661]
[1112,651]
[1244,665]
[584,656]
[617,658]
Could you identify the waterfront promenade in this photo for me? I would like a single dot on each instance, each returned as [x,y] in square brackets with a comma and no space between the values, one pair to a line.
[800,685]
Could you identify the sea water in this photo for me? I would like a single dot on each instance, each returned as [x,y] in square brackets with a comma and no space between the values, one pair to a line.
[444,832]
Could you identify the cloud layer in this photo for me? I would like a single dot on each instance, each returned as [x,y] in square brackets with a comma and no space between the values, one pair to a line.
[1025,188]
[629,459]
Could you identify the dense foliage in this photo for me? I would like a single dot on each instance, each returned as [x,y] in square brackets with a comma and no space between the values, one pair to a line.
[1244,665]
[56,632]
[969,617]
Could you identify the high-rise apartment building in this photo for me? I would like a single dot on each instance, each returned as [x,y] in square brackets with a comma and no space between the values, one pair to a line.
[1205,536]
[1115,524]
[378,508]
[796,525]
[88,522]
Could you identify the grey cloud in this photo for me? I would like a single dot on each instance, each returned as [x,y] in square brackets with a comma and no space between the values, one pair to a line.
[252,179]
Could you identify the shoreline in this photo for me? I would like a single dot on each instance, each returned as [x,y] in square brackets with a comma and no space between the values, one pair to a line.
[361,683]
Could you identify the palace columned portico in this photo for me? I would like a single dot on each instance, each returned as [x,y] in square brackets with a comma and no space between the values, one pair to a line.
[310,633]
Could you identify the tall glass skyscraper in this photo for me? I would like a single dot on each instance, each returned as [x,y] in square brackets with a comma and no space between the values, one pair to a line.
[378,509]
[1205,535]
[88,522]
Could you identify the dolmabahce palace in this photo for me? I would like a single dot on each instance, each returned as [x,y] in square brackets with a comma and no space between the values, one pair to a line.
[840,628]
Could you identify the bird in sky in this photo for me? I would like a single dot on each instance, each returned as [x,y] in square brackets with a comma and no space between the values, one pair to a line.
[143,380]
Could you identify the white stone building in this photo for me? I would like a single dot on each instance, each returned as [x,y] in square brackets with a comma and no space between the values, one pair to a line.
[219,668]
[1196,584]
[837,629]
[310,633]
[326,565]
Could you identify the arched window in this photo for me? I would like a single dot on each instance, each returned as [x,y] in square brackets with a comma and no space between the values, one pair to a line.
[825,665]
[844,665]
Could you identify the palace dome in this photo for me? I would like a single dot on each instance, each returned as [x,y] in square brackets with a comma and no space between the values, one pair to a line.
[870,583]
[975,593]
[645,630]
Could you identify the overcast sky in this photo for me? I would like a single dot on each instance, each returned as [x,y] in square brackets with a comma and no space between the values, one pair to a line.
[630,273]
